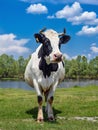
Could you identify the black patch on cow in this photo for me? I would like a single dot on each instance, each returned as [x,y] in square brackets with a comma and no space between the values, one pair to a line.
[64,39]
[59,46]
[39,99]
[45,49]
[52,98]
[40,37]
[63,63]
[47,69]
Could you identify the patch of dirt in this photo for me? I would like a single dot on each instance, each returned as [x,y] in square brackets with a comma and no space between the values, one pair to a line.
[92,119]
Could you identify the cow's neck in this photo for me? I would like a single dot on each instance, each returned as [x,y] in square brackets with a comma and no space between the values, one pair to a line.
[47,68]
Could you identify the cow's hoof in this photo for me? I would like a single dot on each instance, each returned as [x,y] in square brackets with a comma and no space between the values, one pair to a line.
[40,120]
[51,119]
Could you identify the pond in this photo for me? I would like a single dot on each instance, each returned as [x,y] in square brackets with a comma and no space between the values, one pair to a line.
[81,83]
[15,84]
[65,84]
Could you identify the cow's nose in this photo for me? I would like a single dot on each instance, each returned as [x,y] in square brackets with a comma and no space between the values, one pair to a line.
[58,57]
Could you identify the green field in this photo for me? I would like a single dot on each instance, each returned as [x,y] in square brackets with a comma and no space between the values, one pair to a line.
[18,109]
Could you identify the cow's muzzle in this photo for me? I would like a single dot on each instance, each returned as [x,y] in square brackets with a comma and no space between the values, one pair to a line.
[57,57]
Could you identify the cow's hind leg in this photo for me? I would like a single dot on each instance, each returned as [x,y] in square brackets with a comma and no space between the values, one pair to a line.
[50,101]
[49,109]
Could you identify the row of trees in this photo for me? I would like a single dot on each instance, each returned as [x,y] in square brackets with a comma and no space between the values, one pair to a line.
[11,68]
[79,68]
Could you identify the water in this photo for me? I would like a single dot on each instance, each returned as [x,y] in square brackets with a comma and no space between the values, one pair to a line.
[81,83]
[65,84]
[15,84]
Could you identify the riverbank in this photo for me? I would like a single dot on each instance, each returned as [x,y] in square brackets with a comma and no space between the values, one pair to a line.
[65,84]
[18,109]
[11,79]
[66,79]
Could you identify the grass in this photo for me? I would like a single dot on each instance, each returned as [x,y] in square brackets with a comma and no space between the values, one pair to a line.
[18,109]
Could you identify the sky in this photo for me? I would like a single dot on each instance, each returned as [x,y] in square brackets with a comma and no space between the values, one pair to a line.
[21,19]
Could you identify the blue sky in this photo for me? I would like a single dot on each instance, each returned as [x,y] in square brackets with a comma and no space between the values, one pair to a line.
[20,19]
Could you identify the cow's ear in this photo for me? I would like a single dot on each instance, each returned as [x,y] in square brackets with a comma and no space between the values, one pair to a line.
[39,37]
[64,39]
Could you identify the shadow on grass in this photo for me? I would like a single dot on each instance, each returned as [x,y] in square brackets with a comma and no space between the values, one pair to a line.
[34,112]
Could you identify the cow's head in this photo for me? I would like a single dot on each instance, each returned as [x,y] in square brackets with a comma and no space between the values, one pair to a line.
[51,43]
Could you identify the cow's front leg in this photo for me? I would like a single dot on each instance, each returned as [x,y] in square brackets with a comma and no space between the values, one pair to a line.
[50,101]
[40,111]
[40,100]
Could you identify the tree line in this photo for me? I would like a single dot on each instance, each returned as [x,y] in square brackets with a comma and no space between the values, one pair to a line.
[79,68]
[12,68]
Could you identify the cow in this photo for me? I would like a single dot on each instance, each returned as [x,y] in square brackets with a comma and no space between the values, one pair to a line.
[45,70]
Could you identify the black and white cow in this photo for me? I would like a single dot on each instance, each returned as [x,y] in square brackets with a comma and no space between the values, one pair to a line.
[46,68]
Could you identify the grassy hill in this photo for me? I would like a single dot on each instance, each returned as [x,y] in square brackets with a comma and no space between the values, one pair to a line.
[74,108]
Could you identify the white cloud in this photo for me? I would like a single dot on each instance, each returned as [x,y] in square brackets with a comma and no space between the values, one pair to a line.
[93,44]
[67,56]
[88,30]
[76,15]
[89,56]
[68,11]
[37,9]
[11,46]
[84,18]
[51,17]
[93,48]
[93,2]
[74,57]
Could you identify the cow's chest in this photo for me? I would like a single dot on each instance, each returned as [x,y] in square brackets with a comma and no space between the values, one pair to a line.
[47,69]
[47,82]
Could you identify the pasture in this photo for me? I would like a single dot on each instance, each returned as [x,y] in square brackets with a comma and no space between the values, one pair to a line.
[74,108]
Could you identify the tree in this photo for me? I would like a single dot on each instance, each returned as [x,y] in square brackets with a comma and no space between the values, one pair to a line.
[84,67]
[3,65]
[93,68]
[21,66]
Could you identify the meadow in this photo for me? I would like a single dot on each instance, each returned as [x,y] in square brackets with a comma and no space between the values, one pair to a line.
[74,108]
